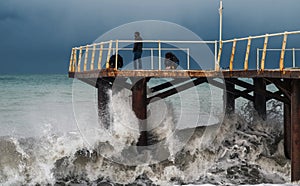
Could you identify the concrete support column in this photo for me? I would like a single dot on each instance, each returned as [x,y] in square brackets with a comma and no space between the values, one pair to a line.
[295,130]
[139,106]
[259,97]
[103,99]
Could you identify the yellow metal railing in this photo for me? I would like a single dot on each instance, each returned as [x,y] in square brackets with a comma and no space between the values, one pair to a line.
[266,37]
[88,54]
[97,50]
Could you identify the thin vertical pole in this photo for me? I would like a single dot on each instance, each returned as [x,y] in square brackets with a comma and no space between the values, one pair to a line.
[221,20]
[159,55]
[257,59]
[294,58]
[100,56]
[152,65]
[188,59]
[216,58]
[117,51]
[220,36]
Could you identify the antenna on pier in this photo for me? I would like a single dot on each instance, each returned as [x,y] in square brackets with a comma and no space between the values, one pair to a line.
[218,59]
[221,19]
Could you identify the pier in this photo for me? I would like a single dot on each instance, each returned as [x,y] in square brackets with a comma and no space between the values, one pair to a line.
[89,64]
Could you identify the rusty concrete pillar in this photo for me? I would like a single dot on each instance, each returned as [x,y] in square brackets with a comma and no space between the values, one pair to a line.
[229,98]
[295,130]
[259,97]
[287,130]
[103,99]
[139,106]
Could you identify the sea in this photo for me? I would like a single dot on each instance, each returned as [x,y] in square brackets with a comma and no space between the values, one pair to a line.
[51,133]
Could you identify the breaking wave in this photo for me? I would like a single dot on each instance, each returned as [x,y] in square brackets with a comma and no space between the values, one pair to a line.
[242,150]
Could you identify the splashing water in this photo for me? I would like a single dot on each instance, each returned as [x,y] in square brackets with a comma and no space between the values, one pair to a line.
[246,150]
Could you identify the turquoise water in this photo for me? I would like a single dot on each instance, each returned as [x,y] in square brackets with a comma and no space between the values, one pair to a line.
[29,102]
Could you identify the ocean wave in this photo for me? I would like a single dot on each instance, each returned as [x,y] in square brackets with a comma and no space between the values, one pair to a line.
[243,149]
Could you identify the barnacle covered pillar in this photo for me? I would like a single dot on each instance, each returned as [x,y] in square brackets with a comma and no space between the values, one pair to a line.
[295,130]
[139,106]
[287,130]
[259,97]
[229,97]
[103,86]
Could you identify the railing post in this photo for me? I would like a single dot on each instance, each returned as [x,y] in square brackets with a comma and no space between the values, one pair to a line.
[281,62]
[159,55]
[257,59]
[188,59]
[216,58]
[100,56]
[232,55]
[86,57]
[219,55]
[108,54]
[263,58]
[294,58]
[117,51]
[79,59]
[246,64]
[152,65]
[74,60]
[93,57]
[71,60]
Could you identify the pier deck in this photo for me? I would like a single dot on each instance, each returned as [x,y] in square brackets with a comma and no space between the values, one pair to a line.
[287,73]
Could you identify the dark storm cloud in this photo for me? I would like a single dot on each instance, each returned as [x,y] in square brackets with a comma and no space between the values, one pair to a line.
[36,35]
[7,13]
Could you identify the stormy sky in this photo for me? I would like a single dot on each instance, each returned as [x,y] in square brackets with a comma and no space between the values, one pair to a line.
[36,36]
